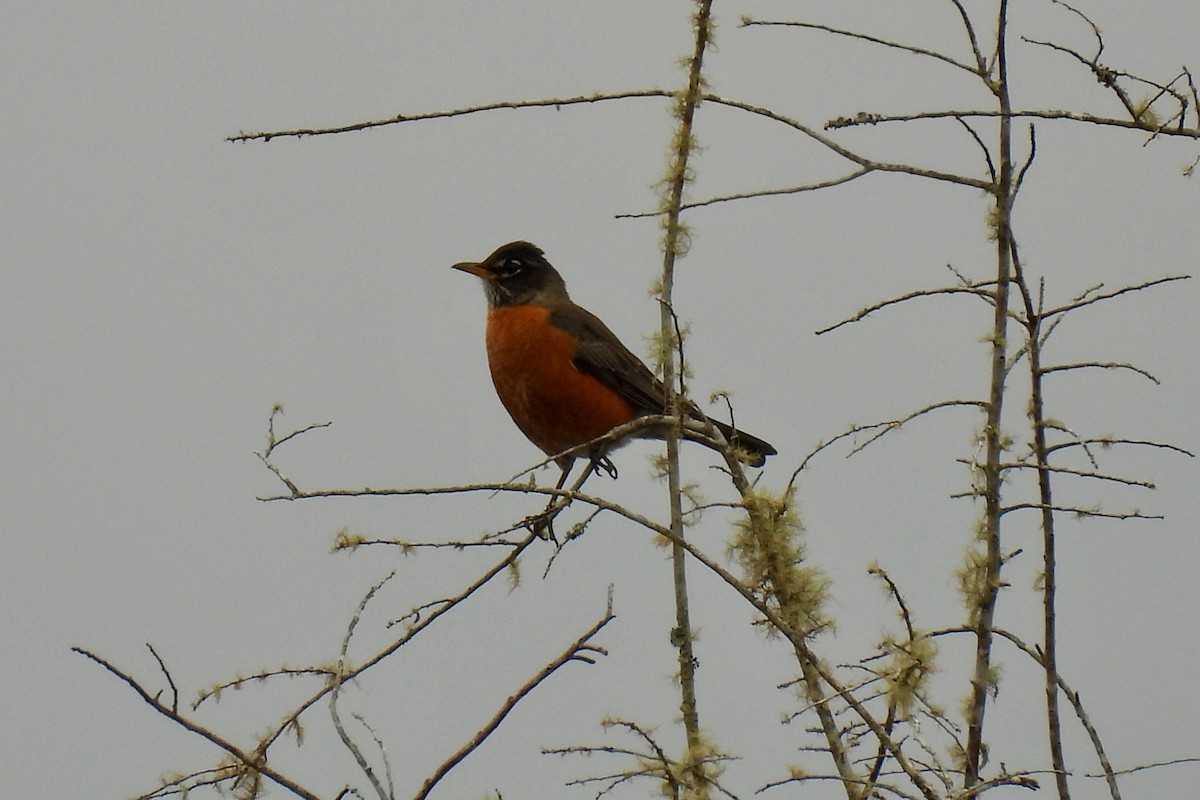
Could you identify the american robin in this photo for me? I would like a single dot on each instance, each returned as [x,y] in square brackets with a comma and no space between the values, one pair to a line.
[564,377]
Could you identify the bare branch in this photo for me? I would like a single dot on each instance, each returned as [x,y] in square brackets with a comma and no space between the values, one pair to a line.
[1071,695]
[975,289]
[1190,169]
[809,187]
[182,784]
[251,763]
[554,102]
[693,430]
[1021,780]
[1088,20]
[1110,441]
[166,674]
[1080,511]
[292,487]
[335,690]
[1048,114]
[272,442]
[1155,765]
[920,51]
[805,778]
[675,242]
[894,591]
[653,762]
[880,429]
[812,666]
[579,650]
[1110,78]
[1028,159]
[849,155]
[387,764]
[1096,298]
[863,162]
[1195,95]
[987,154]
[1081,474]
[1098,365]
[215,692]
[981,67]
[346,541]
[443,608]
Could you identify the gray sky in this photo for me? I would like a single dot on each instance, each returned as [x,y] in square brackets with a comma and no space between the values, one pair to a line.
[163,288]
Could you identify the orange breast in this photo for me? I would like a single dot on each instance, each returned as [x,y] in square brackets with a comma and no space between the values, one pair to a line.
[553,403]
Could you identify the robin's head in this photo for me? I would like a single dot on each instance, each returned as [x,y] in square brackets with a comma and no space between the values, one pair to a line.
[517,274]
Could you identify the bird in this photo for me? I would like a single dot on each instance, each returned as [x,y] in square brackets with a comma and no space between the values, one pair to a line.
[564,377]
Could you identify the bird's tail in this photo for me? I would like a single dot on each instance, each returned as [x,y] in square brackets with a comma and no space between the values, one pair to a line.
[750,449]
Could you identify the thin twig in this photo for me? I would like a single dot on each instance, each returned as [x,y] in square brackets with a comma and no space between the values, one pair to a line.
[975,289]
[166,674]
[335,691]
[1100,476]
[879,430]
[1028,160]
[215,692]
[387,764]
[981,67]
[652,763]
[894,591]
[580,650]
[1107,441]
[352,542]
[256,765]
[987,154]
[1060,115]
[920,51]
[183,784]
[1099,365]
[444,607]
[846,153]
[1156,765]
[273,443]
[797,640]
[1096,298]
[805,778]
[808,187]
[1037,415]
[1071,695]
[554,102]
[1079,511]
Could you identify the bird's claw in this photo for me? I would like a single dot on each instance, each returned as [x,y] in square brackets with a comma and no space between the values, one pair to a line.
[603,463]
[541,525]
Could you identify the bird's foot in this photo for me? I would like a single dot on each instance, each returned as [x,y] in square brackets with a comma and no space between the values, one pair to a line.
[541,524]
[603,463]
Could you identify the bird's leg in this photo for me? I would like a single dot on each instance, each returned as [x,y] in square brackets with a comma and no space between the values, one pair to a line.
[542,524]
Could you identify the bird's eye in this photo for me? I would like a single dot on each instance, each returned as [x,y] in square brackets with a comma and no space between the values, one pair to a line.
[510,267]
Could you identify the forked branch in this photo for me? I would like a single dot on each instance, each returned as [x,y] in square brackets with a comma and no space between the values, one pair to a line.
[248,761]
[581,650]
